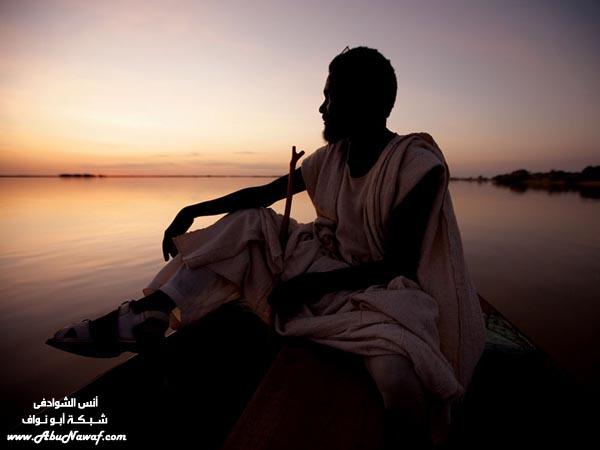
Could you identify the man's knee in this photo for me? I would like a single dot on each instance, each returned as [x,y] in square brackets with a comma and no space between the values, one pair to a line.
[398,383]
[406,416]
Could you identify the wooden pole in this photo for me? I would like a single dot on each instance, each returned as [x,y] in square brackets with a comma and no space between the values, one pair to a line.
[285,223]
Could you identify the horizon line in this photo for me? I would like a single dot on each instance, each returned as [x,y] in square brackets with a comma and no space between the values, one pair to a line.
[90,176]
[82,175]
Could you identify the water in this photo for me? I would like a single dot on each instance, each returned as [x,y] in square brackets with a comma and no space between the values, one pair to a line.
[76,248]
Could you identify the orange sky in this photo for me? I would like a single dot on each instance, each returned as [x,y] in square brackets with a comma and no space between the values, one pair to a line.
[130,87]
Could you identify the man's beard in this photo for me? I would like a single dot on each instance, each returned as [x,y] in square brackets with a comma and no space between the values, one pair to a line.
[333,133]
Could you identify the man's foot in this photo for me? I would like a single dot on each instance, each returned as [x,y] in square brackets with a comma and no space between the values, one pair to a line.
[127,328]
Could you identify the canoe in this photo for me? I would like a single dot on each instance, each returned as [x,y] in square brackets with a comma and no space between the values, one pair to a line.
[229,382]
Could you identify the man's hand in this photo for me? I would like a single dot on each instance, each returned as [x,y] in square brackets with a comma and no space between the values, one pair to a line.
[288,297]
[182,222]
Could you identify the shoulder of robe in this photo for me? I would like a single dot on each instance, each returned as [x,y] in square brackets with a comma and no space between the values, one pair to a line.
[311,164]
[419,160]
[316,154]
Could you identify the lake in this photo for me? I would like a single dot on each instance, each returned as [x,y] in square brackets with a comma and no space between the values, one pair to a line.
[76,248]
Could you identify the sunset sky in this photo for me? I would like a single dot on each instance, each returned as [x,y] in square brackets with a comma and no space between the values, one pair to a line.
[227,87]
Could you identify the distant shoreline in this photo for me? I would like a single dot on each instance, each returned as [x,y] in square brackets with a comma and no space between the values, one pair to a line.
[87,175]
[586,182]
[520,179]
[476,179]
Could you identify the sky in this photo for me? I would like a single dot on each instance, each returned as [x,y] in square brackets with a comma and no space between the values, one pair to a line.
[227,87]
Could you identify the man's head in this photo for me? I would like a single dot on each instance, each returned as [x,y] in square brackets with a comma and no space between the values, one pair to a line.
[360,92]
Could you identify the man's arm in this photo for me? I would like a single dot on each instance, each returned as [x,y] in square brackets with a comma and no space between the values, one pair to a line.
[404,237]
[252,197]
[408,223]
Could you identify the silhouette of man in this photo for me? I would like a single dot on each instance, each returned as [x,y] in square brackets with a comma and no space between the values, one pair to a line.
[359,95]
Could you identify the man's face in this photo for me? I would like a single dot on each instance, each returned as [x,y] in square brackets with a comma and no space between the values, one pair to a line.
[335,113]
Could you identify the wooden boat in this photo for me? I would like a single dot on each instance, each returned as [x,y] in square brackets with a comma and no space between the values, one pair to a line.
[228,382]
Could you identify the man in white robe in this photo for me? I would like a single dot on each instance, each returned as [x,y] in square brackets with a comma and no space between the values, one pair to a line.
[394,287]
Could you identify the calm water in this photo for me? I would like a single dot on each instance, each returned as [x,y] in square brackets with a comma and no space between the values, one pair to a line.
[76,248]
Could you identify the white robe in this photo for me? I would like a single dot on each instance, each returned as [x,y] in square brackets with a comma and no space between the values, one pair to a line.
[435,320]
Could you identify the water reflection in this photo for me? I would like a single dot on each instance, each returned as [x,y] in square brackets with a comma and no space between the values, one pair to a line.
[75,248]
[591,191]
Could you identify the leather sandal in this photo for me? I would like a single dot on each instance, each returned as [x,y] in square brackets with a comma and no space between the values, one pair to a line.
[123,329]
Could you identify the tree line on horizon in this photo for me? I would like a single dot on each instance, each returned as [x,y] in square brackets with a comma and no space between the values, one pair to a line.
[588,174]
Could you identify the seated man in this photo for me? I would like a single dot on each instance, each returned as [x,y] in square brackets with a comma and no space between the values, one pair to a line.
[380,272]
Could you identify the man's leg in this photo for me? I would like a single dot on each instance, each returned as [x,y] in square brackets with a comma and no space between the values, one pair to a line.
[196,292]
[407,418]
[156,301]
[235,257]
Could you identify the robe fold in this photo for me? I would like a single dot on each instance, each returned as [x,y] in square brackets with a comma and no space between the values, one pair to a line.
[435,320]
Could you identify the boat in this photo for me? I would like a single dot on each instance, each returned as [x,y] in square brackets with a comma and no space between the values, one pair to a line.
[229,382]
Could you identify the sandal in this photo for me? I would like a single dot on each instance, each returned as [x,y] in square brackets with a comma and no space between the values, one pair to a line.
[123,329]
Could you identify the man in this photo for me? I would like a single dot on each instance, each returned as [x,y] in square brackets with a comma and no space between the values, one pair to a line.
[347,274]
[349,112]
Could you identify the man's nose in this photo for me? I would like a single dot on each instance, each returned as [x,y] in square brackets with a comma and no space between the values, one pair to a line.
[322,108]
